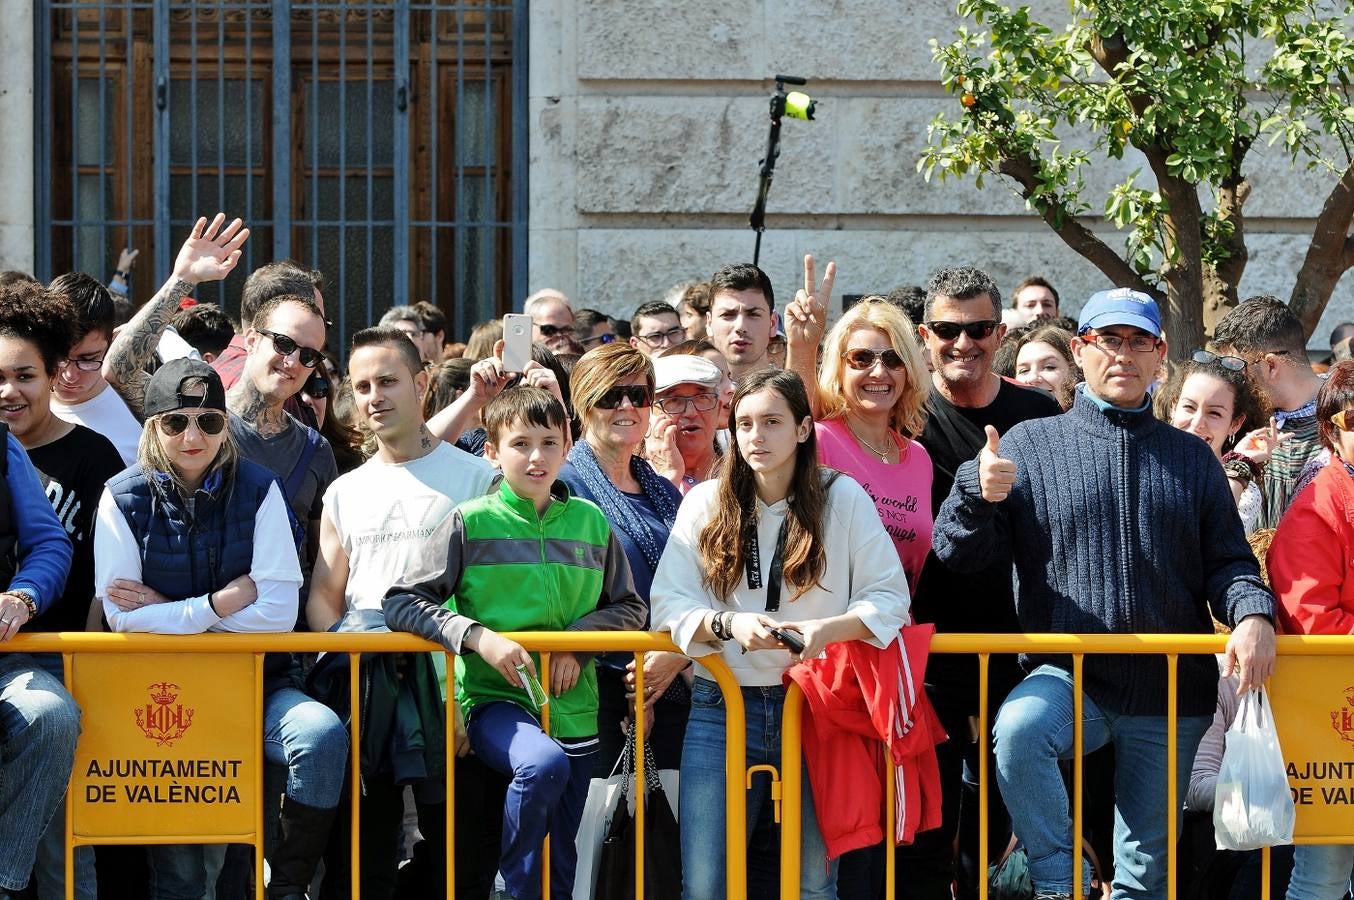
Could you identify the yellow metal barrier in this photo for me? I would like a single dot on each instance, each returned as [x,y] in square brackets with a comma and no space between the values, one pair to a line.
[983,646]
[71,643]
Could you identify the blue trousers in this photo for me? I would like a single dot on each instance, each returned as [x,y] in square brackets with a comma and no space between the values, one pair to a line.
[546,796]
[701,793]
[1034,731]
[39,723]
[1321,871]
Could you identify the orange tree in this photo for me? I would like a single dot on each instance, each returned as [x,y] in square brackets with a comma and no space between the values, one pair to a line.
[1187,87]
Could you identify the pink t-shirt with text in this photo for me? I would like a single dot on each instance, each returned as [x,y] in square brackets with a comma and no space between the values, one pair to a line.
[901,490]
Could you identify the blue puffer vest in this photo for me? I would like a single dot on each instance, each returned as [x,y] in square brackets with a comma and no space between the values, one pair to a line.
[188,552]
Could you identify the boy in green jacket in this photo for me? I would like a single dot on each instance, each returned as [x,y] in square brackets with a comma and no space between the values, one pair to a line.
[527,557]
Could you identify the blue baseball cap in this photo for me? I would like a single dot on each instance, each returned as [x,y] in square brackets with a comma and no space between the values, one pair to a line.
[1121,306]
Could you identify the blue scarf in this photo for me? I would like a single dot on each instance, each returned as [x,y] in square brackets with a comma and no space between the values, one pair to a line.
[617,507]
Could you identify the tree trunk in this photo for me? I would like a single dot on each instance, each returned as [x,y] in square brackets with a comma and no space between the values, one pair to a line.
[1329,256]
[1183,271]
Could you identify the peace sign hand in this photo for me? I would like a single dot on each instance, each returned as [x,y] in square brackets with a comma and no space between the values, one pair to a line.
[806,315]
[211,252]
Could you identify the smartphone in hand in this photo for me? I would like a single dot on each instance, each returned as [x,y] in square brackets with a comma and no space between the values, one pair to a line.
[516,342]
[789,638]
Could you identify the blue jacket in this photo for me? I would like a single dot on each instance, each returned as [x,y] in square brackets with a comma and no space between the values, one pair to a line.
[44,551]
[1117,523]
[188,553]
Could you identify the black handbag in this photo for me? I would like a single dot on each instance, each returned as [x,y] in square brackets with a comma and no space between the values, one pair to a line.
[662,841]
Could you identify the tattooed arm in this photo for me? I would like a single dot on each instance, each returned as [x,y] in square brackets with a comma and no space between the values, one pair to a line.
[209,254]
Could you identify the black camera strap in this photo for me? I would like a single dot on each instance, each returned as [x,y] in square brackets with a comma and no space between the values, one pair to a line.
[752,562]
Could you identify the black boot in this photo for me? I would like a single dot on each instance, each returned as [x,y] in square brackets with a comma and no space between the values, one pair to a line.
[305,830]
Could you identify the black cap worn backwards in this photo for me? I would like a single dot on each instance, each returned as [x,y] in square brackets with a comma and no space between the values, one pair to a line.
[165,391]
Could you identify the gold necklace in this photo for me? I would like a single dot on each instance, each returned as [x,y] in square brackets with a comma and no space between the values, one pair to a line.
[883,457]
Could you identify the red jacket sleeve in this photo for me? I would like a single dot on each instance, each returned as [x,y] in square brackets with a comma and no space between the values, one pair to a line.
[1308,561]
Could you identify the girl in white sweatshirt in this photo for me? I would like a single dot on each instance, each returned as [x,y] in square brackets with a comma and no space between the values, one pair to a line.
[776,546]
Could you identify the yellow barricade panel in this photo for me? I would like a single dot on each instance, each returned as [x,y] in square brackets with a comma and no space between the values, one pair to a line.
[168,745]
[1313,702]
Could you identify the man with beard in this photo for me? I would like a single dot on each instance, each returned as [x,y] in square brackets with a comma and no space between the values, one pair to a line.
[961,329]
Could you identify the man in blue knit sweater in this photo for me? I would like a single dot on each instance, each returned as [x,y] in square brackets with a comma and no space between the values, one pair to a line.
[1116,523]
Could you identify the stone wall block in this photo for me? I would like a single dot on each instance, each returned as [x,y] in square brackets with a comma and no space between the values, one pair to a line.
[641,39]
[695,154]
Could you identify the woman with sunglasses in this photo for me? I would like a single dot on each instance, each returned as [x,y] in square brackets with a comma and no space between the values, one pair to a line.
[775,552]
[1213,397]
[1311,570]
[612,390]
[193,538]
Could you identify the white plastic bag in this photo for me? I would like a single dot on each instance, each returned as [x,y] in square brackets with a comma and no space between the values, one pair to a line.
[1253,807]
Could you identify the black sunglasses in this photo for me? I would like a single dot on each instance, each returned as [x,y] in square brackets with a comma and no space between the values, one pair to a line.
[639,396]
[862,359]
[174,424]
[550,331]
[1231,363]
[317,385]
[309,357]
[977,331]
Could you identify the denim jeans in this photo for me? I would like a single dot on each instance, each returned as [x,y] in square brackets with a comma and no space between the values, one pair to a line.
[39,723]
[546,795]
[307,737]
[1034,731]
[49,871]
[701,792]
[1321,871]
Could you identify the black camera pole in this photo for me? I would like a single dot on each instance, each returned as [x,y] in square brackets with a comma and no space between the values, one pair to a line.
[758,218]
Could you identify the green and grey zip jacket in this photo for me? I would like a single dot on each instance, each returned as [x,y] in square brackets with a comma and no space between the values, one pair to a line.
[509,569]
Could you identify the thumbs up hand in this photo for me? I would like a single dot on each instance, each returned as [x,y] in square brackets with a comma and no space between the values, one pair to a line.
[995,474]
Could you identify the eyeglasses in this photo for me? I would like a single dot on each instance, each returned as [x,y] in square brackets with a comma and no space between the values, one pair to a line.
[1338,420]
[309,357]
[414,333]
[977,331]
[1230,363]
[549,331]
[174,424]
[676,406]
[598,339]
[639,396]
[862,359]
[1113,343]
[84,365]
[656,338]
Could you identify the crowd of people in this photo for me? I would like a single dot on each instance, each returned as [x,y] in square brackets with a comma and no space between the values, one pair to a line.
[794,498]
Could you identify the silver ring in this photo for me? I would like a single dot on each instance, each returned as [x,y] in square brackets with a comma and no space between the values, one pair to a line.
[141,598]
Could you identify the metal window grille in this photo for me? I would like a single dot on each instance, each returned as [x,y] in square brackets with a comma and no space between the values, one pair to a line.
[383,143]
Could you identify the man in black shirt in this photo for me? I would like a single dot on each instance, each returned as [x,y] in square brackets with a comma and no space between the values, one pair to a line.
[962,328]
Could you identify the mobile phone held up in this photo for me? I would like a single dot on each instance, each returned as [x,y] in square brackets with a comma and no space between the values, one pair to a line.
[516,342]
[789,638]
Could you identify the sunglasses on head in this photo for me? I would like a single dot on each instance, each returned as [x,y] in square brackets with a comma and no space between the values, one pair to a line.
[309,357]
[174,424]
[977,331]
[639,396]
[1231,363]
[862,359]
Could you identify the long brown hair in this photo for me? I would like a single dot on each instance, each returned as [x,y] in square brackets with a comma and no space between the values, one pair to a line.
[734,523]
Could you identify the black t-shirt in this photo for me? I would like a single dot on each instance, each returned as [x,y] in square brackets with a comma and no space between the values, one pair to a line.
[975,601]
[73,470]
